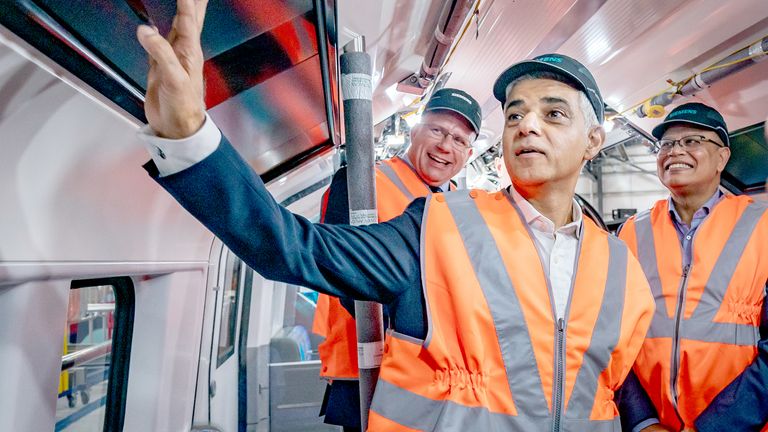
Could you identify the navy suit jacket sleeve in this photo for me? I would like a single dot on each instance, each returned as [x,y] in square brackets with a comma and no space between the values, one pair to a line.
[337,212]
[375,262]
[743,404]
[635,407]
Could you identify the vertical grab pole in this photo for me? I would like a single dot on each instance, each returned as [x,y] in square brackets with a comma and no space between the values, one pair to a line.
[358,125]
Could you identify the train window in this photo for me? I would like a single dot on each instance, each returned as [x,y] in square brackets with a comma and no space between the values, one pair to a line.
[306,304]
[229,309]
[296,393]
[747,169]
[94,364]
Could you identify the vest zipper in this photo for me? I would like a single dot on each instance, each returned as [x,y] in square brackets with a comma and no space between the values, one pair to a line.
[557,404]
[679,311]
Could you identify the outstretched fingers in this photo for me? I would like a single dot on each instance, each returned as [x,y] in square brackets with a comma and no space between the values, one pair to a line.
[162,56]
[188,23]
[200,7]
[187,28]
[173,103]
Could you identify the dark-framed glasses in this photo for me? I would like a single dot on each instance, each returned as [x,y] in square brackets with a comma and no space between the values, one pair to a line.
[440,133]
[687,143]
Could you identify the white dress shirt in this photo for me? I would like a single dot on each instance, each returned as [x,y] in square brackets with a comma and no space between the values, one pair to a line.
[557,248]
[171,156]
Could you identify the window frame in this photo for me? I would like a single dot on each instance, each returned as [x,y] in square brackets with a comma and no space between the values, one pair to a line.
[234,266]
[120,354]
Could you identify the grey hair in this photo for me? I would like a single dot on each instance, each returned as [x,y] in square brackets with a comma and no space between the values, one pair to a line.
[590,118]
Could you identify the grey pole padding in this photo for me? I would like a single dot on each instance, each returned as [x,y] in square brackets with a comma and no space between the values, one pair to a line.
[358,130]
[735,62]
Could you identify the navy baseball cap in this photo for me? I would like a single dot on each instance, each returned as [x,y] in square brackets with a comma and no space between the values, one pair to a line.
[558,64]
[697,115]
[459,102]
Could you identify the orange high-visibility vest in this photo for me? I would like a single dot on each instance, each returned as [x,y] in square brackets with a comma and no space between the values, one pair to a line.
[706,327]
[397,185]
[495,358]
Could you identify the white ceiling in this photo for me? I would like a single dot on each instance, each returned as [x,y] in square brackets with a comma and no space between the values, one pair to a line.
[632,47]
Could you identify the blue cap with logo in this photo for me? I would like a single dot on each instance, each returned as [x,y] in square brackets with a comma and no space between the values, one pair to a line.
[562,65]
[697,115]
[459,102]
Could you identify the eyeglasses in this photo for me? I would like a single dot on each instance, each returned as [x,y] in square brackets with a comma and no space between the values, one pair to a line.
[687,143]
[439,133]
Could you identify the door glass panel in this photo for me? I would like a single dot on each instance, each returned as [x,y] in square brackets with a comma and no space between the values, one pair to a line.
[296,389]
[86,359]
[229,305]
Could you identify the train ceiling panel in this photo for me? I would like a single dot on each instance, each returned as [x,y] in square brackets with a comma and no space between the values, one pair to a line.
[632,47]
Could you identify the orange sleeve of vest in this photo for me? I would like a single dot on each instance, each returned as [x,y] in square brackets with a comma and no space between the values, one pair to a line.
[639,308]
[324,204]
[320,322]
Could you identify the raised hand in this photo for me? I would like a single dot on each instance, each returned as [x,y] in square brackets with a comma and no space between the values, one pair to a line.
[174,102]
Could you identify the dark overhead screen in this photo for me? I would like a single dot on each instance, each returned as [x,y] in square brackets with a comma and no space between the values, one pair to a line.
[103,28]
[244,42]
[270,85]
[747,170]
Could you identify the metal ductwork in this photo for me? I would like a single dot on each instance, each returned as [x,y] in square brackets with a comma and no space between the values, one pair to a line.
[452,17]
[735,62]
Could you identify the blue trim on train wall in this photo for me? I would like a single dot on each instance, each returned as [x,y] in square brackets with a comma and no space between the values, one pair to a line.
[79,414]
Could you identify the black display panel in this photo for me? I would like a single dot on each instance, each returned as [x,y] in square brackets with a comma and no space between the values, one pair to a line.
[747,170]
[254,51]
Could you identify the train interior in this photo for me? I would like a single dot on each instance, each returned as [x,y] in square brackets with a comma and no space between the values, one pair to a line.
[119,311]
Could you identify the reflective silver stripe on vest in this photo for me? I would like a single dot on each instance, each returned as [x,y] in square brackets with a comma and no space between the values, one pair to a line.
[700,326]
[605,334]
[392,176]
[725,333]
[418,412]
[661,325]
[512,333]
[729,258]
[422,265]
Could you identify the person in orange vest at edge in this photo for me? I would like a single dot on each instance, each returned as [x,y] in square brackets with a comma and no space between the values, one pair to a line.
[704,363]
[441,143]
[509,310]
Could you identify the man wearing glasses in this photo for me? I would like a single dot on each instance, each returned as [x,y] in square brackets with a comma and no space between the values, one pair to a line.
[704,363]
[440,146]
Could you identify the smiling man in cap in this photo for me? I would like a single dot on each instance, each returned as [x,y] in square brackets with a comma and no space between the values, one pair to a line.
[705,254]
[441,143]
[509,310]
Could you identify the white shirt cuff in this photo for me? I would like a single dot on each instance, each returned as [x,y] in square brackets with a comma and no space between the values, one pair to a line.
[644,424]
[175,155]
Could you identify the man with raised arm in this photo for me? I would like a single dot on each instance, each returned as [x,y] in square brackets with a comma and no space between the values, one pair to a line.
[509,310]
[704,363]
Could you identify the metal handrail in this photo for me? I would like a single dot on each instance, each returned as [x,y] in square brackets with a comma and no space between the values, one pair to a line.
[79,357]
[52,25]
